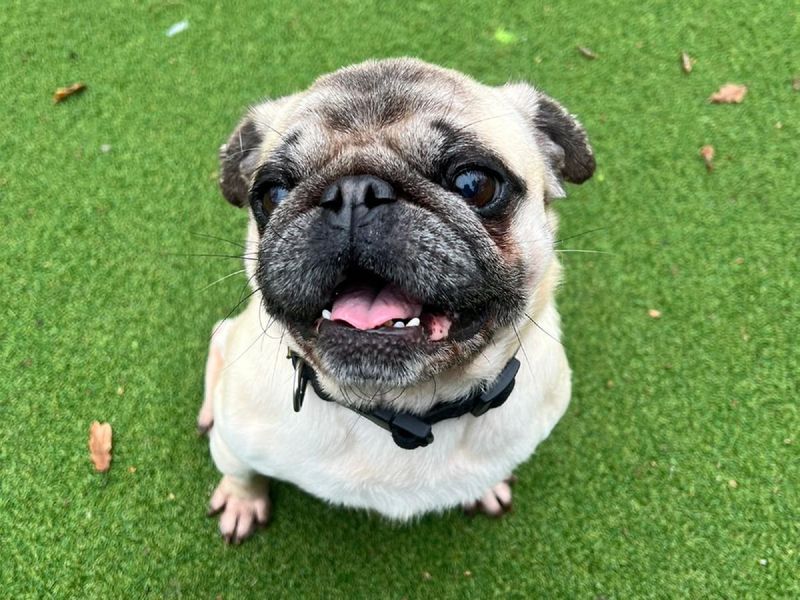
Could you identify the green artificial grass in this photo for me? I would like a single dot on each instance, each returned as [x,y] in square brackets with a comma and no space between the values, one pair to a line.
[675,472]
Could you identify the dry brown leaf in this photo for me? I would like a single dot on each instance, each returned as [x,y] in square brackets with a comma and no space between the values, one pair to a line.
[796,84]
[730,93]
[65,92]
[100,445]
[587,52]
[707,152]
[687,62]
[654,313]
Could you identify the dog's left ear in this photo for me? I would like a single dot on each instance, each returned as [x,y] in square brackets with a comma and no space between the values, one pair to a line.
[560,136]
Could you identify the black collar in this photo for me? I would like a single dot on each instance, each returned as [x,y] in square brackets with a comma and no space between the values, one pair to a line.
[412,431]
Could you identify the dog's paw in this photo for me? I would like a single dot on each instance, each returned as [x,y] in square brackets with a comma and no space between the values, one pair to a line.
[243,508]
[495,502]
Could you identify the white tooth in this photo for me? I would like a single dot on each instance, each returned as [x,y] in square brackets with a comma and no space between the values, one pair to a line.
[326,314]
[413,322]
[399,324]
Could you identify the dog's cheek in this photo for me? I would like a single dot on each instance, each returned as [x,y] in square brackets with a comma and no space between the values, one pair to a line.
[532,235]
[299,262]
[500,229]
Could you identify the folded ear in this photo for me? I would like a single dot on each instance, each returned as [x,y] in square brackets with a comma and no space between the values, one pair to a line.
[238,158]
[240,155]
[561,137]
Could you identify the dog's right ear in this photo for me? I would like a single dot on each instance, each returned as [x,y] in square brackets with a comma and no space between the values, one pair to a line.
[239,157]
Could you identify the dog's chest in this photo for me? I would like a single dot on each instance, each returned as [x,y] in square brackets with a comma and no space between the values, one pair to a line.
[336,455]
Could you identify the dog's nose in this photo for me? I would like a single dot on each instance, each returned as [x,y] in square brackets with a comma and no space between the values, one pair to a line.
[350,199]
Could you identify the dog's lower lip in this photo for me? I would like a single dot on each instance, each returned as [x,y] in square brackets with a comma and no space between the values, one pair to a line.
[406,333]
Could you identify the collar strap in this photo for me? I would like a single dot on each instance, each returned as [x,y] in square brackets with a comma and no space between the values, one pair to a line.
[413,431]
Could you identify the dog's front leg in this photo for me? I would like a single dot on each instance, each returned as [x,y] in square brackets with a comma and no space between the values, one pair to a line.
[214,365]
[241,498]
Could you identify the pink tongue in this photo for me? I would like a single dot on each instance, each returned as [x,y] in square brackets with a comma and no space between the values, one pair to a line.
[366,307]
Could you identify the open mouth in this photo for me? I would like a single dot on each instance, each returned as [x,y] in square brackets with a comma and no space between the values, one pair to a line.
[366,303]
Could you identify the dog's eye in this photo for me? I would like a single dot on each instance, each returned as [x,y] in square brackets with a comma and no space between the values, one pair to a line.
[477,186]
[276,194]
[273,196]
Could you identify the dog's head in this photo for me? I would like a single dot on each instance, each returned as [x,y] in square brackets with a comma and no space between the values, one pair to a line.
[400,212]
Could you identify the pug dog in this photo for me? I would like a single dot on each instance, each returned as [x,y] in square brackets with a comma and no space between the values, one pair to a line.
[400,349]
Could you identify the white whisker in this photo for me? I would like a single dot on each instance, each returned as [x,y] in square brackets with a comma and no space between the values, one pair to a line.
[222,279]
[586,251]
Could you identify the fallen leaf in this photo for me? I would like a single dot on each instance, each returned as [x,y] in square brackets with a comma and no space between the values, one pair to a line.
[427,576]
[504,36]
[100,445]
[467,573]
[796,84]
[687,62]
[707,152]
[730,93]
[654,313]
[739,260]
[131,469]
[587,52]
[733,483]
[62,94]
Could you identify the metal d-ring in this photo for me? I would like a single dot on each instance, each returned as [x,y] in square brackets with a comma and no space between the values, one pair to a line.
[300,383]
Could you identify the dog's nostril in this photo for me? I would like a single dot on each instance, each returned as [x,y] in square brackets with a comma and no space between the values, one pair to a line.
[378,192]
[332,197]
[356,190]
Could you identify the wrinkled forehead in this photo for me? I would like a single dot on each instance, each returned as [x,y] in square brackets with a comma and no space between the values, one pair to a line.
[414,110]
[377,96]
